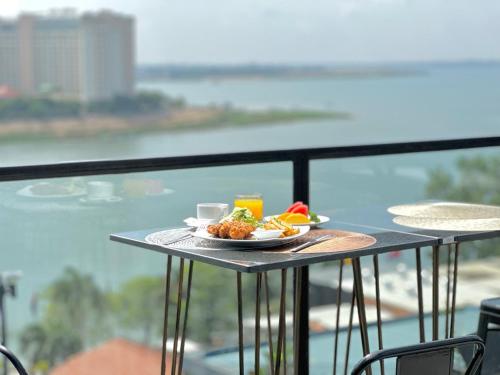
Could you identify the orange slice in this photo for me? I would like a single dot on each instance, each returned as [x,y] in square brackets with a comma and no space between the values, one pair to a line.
[297,219]
[283,216]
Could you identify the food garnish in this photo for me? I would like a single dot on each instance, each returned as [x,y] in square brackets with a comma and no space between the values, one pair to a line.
[242,214]
[304,215]
[291,207]
[313,217]
[301,209]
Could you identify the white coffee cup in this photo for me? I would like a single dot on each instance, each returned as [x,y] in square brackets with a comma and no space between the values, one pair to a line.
[211,212]
[97,190]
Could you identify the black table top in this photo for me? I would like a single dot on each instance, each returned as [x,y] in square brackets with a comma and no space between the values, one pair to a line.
[262,260]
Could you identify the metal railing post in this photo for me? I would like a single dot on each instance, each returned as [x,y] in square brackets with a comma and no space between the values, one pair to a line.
[3,323]
[301,275]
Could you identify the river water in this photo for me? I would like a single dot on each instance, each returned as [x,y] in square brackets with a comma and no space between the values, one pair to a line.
[441,102]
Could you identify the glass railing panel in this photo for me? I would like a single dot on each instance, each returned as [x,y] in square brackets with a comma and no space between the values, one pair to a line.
[359,190]
[80,291]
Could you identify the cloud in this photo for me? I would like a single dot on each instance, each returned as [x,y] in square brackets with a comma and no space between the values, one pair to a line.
[305,31]
[10,8]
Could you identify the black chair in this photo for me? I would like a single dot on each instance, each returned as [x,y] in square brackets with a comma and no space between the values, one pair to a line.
[430,358]
[13,359]
[488,329]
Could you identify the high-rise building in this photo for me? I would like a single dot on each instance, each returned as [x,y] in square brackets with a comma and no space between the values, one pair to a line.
[87,57]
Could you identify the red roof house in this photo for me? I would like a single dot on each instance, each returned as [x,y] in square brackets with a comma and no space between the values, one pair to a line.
[117,356]
[7,92]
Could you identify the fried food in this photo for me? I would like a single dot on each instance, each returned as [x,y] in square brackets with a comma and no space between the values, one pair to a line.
[224,229]
[240,230]
[214,229]
[235,230]
[287,229]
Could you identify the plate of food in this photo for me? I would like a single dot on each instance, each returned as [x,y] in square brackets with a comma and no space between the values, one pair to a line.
[240,228]
[50,190]
[298,214]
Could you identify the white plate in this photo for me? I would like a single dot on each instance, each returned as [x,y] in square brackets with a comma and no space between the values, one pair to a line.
[472,225]
[446,210]
[27,192]
[202,233]
[322,220]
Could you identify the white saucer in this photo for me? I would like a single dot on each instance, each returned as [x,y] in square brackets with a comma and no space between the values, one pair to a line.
[196,223]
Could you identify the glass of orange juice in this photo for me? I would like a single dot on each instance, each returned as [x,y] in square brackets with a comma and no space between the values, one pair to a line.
[253,202]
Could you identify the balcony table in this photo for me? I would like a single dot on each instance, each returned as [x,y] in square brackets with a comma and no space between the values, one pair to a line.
[259,262]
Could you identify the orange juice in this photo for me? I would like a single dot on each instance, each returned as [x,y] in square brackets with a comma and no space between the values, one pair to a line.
[253,202]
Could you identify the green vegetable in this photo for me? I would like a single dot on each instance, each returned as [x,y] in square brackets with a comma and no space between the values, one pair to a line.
[242,214]
[313,217]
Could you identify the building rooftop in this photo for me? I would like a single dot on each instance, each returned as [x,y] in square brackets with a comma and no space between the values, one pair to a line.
[397,332]
[117,356]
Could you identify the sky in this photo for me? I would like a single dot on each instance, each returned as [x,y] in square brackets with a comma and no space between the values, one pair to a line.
[301,31]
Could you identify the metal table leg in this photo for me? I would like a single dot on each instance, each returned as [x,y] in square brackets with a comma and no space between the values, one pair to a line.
[435,293]
[269,328]
[180,323]
[420,295]
[349,330]
[337,317]
[454,290]
[240,324]
[379,311]
[281,346]
[258,285]
[165,316]
[360,303]
[301,322]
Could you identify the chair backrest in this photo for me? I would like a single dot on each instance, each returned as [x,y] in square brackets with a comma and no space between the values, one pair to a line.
[14,360]
[433,357]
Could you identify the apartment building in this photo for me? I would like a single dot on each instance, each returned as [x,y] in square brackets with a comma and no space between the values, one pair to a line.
[89,56]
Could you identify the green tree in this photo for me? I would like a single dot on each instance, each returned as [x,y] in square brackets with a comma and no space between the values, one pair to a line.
[74,317]
[74,300]
[477,181]
[138,305]
[213,308]
[47,345]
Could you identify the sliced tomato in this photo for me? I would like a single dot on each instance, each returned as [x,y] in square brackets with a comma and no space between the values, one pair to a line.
[298,203]
[301,209]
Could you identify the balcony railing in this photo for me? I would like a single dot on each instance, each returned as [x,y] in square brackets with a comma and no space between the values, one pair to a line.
[300,159]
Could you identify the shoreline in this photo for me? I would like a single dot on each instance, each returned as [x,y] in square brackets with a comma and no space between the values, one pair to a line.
[344,75]
[178,120]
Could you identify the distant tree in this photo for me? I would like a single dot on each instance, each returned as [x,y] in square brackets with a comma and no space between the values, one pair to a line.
[74,300]
[47,108]
[75,316]
[45,345]
[477,181]
[138,305]
[214,301]
[144,102]
[39,108]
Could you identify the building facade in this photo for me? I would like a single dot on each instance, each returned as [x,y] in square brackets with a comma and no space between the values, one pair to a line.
[86,57]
